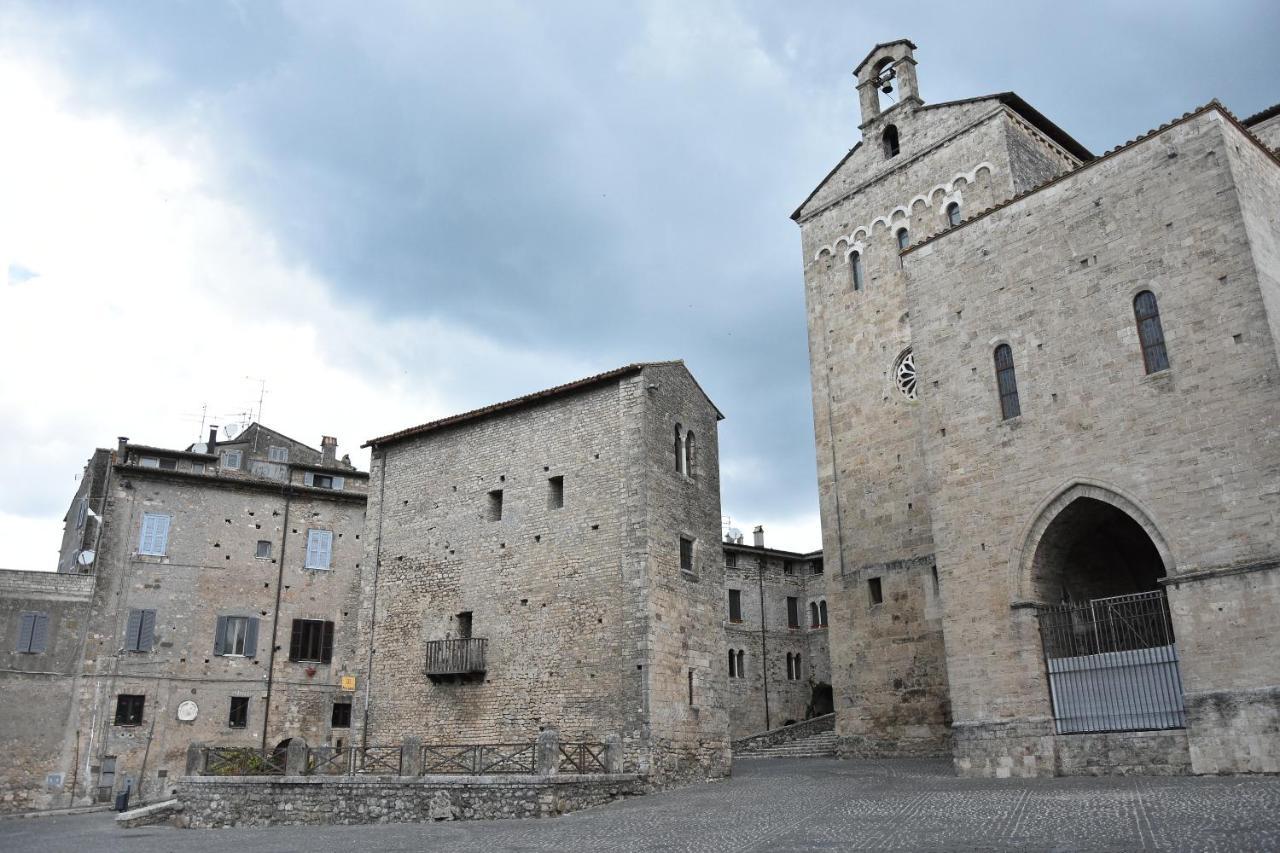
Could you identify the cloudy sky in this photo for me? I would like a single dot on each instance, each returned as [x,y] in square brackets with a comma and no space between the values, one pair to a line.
[395,211]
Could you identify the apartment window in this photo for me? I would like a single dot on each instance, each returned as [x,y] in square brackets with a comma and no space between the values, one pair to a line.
[875,591]
[855,270]
[464,619]
[323,481]
[311,640]
[495,505]
[239,716]
[319,549]
[197,467]
[236,636]
[890,140]
[277,454]
[263,551]
[904,238]
[149,462]
[154,539]
[686,555]
[1150,332]
[140,631]
[793,612]
[822,613]
[735,605]
[33,633]
[730,560]
[953,214]
[232,459]
[129,709]
[815,567]
[1007,382]
[341,715]
[555,492]
[788,567]
[813,614]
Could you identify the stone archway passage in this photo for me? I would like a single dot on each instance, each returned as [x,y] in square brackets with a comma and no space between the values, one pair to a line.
[822,702]
[1090,550]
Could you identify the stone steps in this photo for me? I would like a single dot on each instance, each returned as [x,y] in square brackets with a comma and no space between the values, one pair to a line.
[822,745]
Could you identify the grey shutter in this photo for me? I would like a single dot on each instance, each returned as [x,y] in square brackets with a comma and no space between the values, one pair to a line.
[326,548]
[338,483]
[220,636]
[131,631]
[40,632]
[147,632]
[25,630]
[308,479]
[251,638]
[162,535]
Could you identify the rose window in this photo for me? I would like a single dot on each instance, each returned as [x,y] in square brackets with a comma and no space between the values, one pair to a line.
[904,374]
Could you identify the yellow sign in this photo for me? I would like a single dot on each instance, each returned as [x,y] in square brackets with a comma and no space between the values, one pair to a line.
[348,682]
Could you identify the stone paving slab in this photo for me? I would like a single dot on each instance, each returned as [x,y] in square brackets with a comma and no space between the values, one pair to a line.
[785,805]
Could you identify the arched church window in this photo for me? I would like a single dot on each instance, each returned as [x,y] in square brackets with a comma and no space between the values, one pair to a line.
[904,239]
[822,612]
[742,664]
[679,448]
[1150,332]
[688,453]
[1007,382]
[813,614]
[953,214]
[732,665]
[904,374]
[890,140]
[855,269]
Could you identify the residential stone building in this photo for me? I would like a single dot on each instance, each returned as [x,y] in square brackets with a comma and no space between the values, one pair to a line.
[1048,435]
[554,562]
[776,629]
[207,594]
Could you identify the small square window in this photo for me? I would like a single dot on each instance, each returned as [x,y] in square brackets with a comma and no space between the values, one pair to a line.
[149,462]
[555,492]
[788,567]
[231,459]
[263,551]
[875,590]
[686,555]
[277,454]
[341,718]
[129,709]
[495,505]
[239,716]
[730,560]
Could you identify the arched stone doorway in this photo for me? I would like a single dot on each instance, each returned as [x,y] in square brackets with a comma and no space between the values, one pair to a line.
[822,701]
[1090,550]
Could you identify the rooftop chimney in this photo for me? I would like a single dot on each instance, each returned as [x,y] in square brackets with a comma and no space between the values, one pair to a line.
[122,446]
[757,536]
[213,436]
[328,449]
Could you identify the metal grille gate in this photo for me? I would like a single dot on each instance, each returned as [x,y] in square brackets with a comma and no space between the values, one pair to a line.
[1113,665]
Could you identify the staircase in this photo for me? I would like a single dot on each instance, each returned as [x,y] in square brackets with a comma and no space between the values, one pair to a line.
[820,745]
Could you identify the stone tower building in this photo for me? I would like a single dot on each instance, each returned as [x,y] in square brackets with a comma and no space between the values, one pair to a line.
[1037,376]
[554,562]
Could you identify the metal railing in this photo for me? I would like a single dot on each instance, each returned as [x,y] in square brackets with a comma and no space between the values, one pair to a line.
[1113,665]
[476,759]
[456,657]
[583,758]
[242,761]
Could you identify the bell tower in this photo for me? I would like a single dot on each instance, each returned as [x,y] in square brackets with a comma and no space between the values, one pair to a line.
[885,78]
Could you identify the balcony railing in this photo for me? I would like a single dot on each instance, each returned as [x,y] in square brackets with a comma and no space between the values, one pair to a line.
[456,657]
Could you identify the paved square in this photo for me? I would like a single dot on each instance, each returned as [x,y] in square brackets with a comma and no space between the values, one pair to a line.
[787,805]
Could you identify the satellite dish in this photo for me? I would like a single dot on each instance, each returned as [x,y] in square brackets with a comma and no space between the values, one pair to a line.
[232,430]
[86,557]
[200,448]
[735,535]
[188,711]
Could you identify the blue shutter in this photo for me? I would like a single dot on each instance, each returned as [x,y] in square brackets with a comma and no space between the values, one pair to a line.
[308,479]
[39,632]
[326,548]
[251,638]
[220,636]
[25,630]
[147,631]
[131,631]
[319,549]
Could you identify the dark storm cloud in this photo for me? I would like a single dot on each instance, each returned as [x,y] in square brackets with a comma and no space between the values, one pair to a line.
[608,181]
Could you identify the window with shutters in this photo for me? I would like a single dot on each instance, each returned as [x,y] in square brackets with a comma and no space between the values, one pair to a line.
[232,459]
[1007,382]
[239,716]
[140,631]
[311,640]
[793,612]
[278,454]
[33,633]
[319,549]
[1150,333]
[236,636]
[129,709]
[153,540]
[735,605]
[269,470]
[341,715]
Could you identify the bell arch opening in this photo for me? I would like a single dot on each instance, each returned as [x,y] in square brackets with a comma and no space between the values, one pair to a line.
[1093,549]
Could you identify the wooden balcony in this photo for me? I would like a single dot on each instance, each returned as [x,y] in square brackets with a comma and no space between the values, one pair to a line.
[456,659]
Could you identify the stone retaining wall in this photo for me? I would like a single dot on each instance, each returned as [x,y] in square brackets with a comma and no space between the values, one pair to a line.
[786,734]
[219,802]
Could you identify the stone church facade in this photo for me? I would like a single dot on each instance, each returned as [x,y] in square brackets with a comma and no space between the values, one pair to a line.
[1047,413]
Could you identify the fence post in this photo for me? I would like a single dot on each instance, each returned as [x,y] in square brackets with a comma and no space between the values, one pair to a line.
[613,753]
[411,757]
[295,758]
[195,759]
[548,752]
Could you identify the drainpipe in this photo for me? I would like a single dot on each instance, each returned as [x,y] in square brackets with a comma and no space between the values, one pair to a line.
[764,643]
[275,617]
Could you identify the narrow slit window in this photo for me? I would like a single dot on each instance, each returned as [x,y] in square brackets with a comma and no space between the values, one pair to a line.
[686,555]
[742,664]
[904,239]
[793,612]
[791,664]
[495,505]
[1150,333]
[890,139]
[555,492]
[822,613]
[953,214]
[679,448]
[691,687]
[689,453]
[855,270]
[733,664]
[1007,382]
[813,614]
[798,670]
[875,590]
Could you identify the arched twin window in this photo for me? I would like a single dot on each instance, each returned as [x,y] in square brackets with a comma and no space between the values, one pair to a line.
[1007,382]
[953,214]
[822,612]
[904,239]
[684,451]
[813,615]
[793,667]
[890,140]
[1150,333]
[855,269]
[737,663]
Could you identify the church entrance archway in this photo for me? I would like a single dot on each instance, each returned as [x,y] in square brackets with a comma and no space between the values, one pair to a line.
[1093,549]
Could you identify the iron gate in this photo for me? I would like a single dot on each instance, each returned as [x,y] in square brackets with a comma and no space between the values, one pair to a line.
[1113,665]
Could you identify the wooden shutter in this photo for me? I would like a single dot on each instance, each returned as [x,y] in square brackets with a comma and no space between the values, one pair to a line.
[131,631]
[25,630]
[251,638]
[326,651]
[220,636]
[295,641]
[147,631]
[319,549]
[39,632]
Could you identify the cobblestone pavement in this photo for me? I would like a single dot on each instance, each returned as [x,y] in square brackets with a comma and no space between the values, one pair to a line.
[785,805]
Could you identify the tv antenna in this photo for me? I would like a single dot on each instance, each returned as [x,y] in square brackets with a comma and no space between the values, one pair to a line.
[262,393]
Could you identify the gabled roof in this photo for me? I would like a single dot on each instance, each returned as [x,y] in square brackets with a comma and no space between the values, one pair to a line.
[871,52]
[531,399]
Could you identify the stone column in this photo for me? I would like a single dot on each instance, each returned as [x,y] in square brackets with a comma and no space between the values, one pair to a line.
[411,757]
[295,763]
[613,753]
[195,759]
[548,752]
